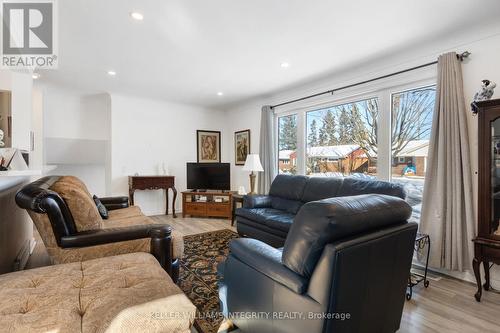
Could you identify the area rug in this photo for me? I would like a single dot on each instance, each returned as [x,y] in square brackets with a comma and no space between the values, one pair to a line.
[198,275]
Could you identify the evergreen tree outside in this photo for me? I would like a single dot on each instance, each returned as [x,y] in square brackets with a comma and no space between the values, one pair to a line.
[312,137]
[345,127]
[327,132]
[287,133]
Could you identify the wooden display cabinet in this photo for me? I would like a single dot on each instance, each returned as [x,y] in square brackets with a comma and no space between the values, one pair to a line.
[487,242]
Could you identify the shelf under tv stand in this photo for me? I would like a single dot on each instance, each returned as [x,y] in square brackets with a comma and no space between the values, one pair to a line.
[204,204]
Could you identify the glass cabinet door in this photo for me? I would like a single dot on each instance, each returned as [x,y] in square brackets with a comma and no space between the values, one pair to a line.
[495,176]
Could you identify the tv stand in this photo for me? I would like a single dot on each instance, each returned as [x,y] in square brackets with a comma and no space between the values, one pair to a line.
[207,204]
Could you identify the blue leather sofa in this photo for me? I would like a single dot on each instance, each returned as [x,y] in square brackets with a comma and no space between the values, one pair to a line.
[269,217]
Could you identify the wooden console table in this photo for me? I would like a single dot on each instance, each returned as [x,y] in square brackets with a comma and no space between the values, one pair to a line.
[153,183]
[192,204]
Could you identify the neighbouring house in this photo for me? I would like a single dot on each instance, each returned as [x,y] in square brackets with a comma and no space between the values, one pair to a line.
[341,158]
[286,162]
[414,154]
[348,159]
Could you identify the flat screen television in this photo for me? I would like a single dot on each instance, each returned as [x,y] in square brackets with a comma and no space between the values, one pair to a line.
[208,176]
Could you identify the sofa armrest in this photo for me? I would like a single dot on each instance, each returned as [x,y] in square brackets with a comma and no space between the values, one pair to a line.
[112,203]
[160,234]
[111,235]
[266,260]
[256,201]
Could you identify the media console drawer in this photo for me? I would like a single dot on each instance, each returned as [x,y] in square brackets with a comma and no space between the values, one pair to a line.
[218,209]
[210,208]
[195,208]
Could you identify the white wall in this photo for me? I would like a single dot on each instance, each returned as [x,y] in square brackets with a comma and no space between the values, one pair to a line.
[76,131]
[148,132]
[20,84]
[240,118]
[75,115]
[483,63]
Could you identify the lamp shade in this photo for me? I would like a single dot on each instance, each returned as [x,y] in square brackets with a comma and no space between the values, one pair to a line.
[253,163]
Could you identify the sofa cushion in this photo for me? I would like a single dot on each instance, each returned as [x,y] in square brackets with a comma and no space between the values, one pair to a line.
[107,294]
[261,227]
[75,181]
[321,222]
[81,205]
[273,218]
[319,188]
[282,221]
[354,186]
[131,211]
[287,205]
[288,187]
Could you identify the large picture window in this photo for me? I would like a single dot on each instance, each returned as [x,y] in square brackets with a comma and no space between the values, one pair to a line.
[384,134]
[342,140]
[411,114]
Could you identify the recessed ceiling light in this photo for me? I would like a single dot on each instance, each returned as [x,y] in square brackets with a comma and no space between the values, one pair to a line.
[35,76]
[285,65]
[137,16]
[220,93]
[111,73]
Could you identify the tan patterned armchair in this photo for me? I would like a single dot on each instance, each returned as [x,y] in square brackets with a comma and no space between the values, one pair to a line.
[72,229]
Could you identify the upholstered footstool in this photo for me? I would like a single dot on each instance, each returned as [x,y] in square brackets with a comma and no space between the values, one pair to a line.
[124,293]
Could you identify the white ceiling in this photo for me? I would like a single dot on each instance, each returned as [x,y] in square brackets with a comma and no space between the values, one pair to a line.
[188,50]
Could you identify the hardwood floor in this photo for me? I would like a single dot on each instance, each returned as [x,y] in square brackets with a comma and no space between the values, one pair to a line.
[191,226]
[448,305]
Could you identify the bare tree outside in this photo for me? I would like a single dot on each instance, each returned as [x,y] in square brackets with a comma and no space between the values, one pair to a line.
[342,140]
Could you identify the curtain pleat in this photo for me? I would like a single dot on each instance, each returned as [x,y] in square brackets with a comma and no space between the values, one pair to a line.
[447,208]
[267,150]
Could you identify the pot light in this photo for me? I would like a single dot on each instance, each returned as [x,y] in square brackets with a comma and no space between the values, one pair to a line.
[35,76]
[137,16]
[285,65]
[220,93]
[111,73]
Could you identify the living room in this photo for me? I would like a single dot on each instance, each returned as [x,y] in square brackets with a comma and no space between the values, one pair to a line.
[255,166]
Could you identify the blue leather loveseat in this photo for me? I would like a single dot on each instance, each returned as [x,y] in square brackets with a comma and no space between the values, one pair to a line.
[269,217]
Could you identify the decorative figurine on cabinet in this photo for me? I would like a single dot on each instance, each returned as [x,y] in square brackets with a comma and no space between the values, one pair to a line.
[485,94]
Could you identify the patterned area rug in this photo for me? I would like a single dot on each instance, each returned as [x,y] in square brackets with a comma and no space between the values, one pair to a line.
[198,275]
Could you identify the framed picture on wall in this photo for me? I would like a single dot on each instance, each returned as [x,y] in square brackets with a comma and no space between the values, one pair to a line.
[208,146]
[241,146]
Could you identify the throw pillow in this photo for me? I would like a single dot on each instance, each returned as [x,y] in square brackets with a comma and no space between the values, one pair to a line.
[77,182]
[101,208]
[82,207]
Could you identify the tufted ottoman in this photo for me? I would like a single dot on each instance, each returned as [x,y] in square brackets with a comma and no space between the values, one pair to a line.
[124,293]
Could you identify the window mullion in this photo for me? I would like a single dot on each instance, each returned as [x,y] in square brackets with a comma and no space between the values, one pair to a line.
[384,136]
[301,143]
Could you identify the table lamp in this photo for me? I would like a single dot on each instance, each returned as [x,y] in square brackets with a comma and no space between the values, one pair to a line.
[252,164]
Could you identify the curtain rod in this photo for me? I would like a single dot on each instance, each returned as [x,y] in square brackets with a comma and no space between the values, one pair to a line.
[460,57]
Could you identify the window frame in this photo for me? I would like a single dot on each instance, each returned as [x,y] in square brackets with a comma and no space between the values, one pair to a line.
[382,90]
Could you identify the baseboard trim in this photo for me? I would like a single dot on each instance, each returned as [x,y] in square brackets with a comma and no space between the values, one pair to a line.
[467,276]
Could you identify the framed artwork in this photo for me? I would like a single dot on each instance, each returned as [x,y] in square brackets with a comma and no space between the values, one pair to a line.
[208,146]
[241,146]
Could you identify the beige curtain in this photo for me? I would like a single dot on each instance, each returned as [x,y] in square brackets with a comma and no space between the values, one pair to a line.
[447,209]
[267,150]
